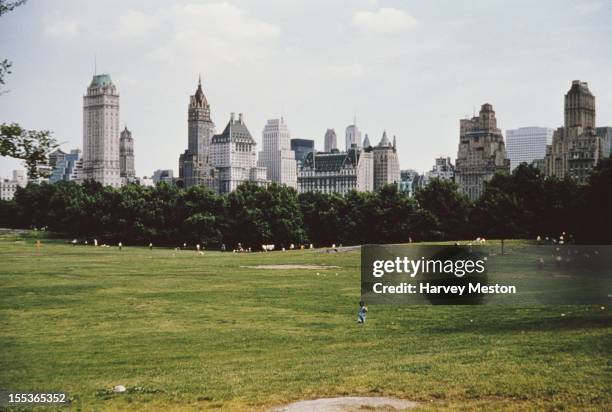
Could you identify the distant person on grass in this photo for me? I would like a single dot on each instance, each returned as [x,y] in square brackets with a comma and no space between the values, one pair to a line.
[363,311]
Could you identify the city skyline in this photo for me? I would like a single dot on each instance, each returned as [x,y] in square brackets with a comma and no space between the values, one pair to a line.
[255,70]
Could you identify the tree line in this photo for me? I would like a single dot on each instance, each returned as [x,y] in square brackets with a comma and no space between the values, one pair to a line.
[523,204]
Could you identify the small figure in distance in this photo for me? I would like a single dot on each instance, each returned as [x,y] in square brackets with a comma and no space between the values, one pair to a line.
[120,245]
[363,311]
[150,245]
[74,242]
[223,247]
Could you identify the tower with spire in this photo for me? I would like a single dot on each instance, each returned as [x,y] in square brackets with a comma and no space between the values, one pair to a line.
[195,164]
[126,156]
[353,135]
[386,163]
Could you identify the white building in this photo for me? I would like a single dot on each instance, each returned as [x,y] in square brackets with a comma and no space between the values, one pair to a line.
[234,156]
[386,163]
[526,144]
[101,132]
[443,169]
[352,136]
[276,155]
[9,186]
[336,172]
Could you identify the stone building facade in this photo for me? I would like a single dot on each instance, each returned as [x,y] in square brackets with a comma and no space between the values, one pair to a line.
[337,172]
[276,156]
[442,169]
[576,148]
[386,163]
[481,153]
[126,156]
[195,163]
[101,132]
[234,157]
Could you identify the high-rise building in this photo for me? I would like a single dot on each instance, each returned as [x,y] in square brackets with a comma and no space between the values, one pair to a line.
[336,172]
[195,164]
[576,148]
[233,155]
[442,169]
[163,175]
[481,153]
[606,136]
[527,144]
[301,147]
[386,163]
[352,136]
[66,166]
[8,187]
[410,181]
[331,142]
[101,132]
[126,156]
[276,156]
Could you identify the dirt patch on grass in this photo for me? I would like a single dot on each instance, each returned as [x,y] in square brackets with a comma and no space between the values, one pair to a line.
[348,404]
[291,267]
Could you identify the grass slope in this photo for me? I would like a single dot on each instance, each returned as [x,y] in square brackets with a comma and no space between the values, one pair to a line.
[184,331]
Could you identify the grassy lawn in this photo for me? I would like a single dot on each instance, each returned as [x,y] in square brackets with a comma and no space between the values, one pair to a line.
[184,331]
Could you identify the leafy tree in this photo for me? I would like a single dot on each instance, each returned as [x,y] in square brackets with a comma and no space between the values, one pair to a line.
[31,146]
[449,210]
[321,213]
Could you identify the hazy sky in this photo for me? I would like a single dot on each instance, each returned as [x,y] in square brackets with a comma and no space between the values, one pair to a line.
[413,68]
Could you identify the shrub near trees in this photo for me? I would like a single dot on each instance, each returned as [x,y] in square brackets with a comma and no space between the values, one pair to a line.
[520,205]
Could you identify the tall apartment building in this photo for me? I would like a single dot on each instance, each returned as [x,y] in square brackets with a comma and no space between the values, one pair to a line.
[101,132]
[9,186]
[331,141]
[195,163]
[301,147]
[481,153]
[276,156]
[163,175]
[66,166]
[337,172]
[527,144]
[352,136]
[386,163]
[442,169]
[576,148]
[233,155]
[126,156]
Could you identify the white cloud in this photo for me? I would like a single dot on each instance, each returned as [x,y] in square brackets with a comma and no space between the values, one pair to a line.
[588,7]
[60,27]
[215,31]
[384,21]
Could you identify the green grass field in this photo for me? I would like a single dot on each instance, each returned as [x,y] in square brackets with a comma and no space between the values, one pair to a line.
[184,331]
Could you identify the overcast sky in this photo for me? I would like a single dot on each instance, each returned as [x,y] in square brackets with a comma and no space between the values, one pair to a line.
[413,68]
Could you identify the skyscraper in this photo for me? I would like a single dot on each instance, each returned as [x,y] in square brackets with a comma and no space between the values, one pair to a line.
[352,136]
[126,156]
[195,164]
[233,155]
[386,163]
[276,155]
[331,142]
[527,144]
[481,152]
[576,148]
[443,169]
[66,166]
[301,147]
[101,132]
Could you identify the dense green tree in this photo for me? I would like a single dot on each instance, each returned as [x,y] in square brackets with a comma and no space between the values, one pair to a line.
[449,209]
[321,215]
